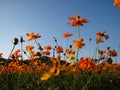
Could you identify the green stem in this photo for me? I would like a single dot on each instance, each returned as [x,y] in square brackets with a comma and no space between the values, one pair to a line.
[36,42]
[11,51]
[21,51]
[95,51]
[77,55]
[39,46]
[78,39]
[67,44]
[78,32]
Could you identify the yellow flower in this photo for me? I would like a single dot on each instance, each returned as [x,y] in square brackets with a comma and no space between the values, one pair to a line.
[45,76]
[54,70]
[71,56]
[72,64]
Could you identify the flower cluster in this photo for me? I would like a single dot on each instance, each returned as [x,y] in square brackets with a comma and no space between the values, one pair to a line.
[56,61]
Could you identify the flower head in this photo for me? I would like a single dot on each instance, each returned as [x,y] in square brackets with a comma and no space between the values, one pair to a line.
[101,36]
[54,70]
[67,34]
[16,55]
[29,48]
[112,53]
[32,36]
[101,52]
[79,43]
[48,47]
[77,21]
[117,3]
[86,63]
[59,49]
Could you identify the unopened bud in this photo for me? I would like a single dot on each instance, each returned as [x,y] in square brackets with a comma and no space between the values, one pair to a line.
[15,41]
[21,39]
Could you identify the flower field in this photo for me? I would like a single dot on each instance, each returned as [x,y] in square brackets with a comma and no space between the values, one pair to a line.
[57,68]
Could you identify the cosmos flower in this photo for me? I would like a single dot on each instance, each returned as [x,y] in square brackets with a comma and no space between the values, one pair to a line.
[67,34]
[77,21]
[59,49]
[29,48]
[54,70]
[101,52]
[32,36]
[101,36]
[46,53]
[48,47]
[16,55]
[69,51]
[78,43]
[86,63]
[112,53]
[117,3]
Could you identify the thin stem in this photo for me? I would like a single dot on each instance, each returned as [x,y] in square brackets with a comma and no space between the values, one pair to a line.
[21,51]
[38,44]
[53,52]
[11,51]
[78,31]
[67,43]
[77,55]
[78,38]
[95,51]
[88,81]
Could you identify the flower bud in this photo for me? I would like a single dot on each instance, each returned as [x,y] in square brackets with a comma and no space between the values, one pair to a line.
[15,41]
[21,39]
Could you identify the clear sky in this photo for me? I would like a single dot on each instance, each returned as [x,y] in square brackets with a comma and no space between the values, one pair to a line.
[50,18]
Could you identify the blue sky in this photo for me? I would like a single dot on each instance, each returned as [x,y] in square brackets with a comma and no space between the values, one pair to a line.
[50,18]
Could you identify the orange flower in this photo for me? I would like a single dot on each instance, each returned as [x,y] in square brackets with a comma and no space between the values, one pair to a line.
[78,43]
[59,49]
[100,36]
[29,48]
[32,36]
[1,55]
[67,34]
[77,21]
[99,39]
[117,3]
[101,52]
[86,63]
[112,53]
[16,55]
[68,51]
[48,48]
[46,53]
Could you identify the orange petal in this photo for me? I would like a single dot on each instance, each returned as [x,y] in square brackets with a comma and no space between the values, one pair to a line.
[45,76]
[117,3]
[71,18]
